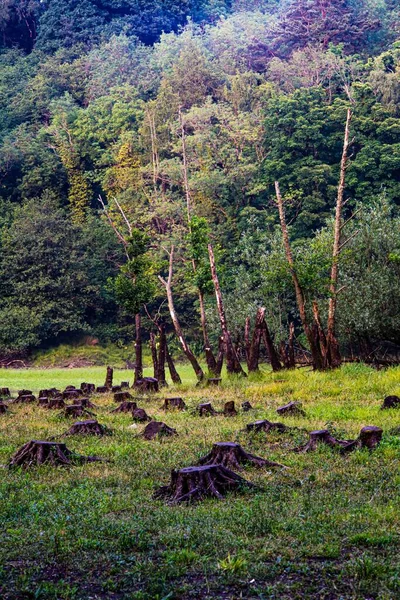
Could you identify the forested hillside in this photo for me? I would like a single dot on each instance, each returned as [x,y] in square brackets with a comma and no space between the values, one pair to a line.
[134,133]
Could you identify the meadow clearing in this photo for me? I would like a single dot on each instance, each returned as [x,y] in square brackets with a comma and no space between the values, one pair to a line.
[327,527]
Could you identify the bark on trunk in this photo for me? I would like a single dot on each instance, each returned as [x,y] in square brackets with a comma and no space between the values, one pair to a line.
[154,356]
[269,344]
[171,366]
[138,348]
[254,347]
[232,362]
[162,357]
[210,358]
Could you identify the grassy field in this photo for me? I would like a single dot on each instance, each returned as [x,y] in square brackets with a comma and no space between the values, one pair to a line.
[328,527]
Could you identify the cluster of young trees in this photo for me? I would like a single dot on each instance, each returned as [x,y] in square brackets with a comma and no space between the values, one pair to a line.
[126,117]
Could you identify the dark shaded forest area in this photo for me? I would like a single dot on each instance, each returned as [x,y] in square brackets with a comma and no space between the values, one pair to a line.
[140,139]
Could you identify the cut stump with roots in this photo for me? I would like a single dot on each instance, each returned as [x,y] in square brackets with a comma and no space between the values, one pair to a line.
[195,483]
[56,454]
[121,396]
[369,437]
[229,409]
[147,385]
[391,402]
[214,381]
[76,410]
[124,385]
[101,389]
[232,456]
[140,415]
[90,427]
[173,404]
[55,403]
[246,406]
[86,403]
[292,409]
[3,408]
[206,410]
[157,429]
[5,392]
[265,426]
[88,388]
[71,394]
[24,399]
[125,407]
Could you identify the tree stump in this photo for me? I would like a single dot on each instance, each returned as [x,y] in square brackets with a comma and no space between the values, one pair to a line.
[69,388]
[140,415]
[88,388]
[264,425]
[195,483]
[214,381]
[51,393]
[101,389]
[157,429]
[3,408]
[246,406]
[147,385]
[293,408]
[124,385]
[116,388]
[125,407]
[229,409]
[174,404]
[320,436]
[206,410]
[24,392]
[86,403]
[24,398]
[109,378]
[76,410]
[90,427]
[233,456]
[43,400]
[391,402]
[69,394]
[55,403]
[370,437]
[121,396]
[55,454]
[4,392]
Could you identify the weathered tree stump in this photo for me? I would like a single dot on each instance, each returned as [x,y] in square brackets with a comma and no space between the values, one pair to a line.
[3,408]
[370,436]
[233,456]
[195,483]
[24,392]
[76,410]
[391,402]
[55,454]
[55,403]
[121,396]
[69,394]
[320,436]
[206,410]
[101,389]
[214,381]
[88,388]
[125,407]
[147,385]
[229,409]
[174,404]
[70,388]
[116,388]
[246,406]
[43,400]
[24,398]
[293,408]
[4,392]
[265,426]
[124,385]
[51,393]
[109,378]
[157,429]
[86,403]
[140,415]
[90,427]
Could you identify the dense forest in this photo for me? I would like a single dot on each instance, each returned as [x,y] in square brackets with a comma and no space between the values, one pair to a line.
[133,135]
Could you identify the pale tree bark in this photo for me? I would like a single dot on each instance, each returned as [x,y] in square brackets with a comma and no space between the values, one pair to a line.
[332,342]
[167,283]
[171,366]
[232,362]
[318,362]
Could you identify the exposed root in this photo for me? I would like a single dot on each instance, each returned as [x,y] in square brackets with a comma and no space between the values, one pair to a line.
[90,427]
[264,425]
[233,456]
[56,454]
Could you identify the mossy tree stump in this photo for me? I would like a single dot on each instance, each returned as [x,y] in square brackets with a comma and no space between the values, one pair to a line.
[121,396]
[147,385]
[125,407]
[141,415]
[233,456]
[89,427]
[196,483]
[173,404]
[206,410]
[76,410]
[229,409]
[291,409]
[265,426]
[37,452]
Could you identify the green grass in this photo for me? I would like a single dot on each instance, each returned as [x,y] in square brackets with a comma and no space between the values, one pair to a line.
[328,527]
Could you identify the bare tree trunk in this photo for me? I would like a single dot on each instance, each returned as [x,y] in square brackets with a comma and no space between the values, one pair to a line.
[247,341]
[210,358]
[171,366]
[291,358]
[273,355]
[138,349]
[162,356]
[220,357]
[332,342]
[315,351]
[254,347]
[178,330]
[232,362]
[153,349]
